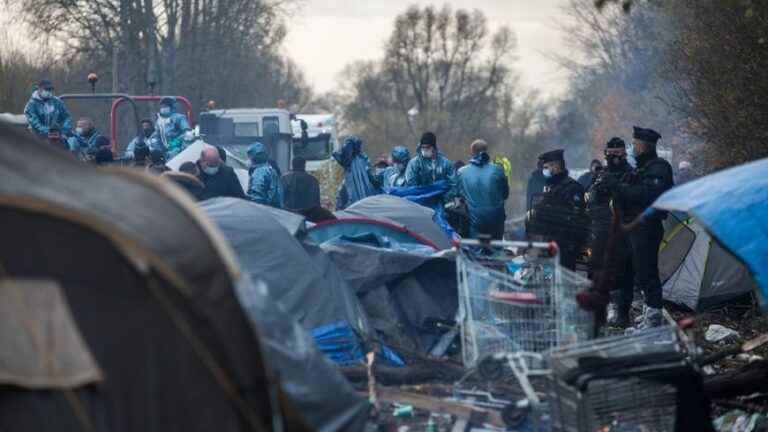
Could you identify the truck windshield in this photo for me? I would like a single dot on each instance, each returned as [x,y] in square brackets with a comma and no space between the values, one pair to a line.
[316,148]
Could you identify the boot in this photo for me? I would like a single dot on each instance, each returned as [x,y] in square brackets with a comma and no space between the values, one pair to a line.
[654,317]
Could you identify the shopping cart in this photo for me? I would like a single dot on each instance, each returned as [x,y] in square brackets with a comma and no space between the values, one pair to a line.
[622,383]
[515,297]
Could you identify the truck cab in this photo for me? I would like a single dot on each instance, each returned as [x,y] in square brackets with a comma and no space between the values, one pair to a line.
[236,129]
[314,139]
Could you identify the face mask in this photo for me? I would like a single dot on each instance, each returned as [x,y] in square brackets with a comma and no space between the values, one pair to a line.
[148,133]
[632,157]
[79,131]
[429,154]
[211,170]
[45,94]
[547,172]
[165,110]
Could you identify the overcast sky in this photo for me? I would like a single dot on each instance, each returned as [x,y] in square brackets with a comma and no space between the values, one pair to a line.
[325,35]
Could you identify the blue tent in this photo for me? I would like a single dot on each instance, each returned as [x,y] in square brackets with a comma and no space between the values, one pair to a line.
[733,207]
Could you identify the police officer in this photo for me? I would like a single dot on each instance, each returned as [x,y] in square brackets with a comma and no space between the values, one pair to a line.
[598,202]
[634,194]
[555,214]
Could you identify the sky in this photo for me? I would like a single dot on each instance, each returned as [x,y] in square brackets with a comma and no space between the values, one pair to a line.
[326,35]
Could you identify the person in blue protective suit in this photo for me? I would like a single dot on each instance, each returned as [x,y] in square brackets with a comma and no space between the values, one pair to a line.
[484,188]
[358,180]
[394,176]
[44,110]
[264,186]
[429,165]
[144,138]
[172,129]
[85,137]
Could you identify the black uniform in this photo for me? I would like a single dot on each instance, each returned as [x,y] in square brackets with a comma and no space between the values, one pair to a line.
[598,203]
[635,193]
[558,215]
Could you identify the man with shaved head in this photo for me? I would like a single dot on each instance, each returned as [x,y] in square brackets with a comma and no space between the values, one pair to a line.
[484,188]
[219,179]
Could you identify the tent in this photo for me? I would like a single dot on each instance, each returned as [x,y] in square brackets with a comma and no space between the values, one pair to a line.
[365,229]
[732,205]
[399,211]
[308,287]
[695,270]
[146,299]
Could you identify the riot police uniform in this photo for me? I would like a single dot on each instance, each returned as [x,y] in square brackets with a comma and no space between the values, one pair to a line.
[599,199]
[558,214]
[635,193]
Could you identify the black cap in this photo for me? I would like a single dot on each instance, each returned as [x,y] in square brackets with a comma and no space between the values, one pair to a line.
[429,138]
[45,84]
[168,101]
[552,156]
[616,143]
[647,135]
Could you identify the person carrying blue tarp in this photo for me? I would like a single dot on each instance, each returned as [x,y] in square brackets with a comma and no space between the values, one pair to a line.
[358,180]
[484,188]
[172,129]
[429,165]
[394,176]
[44,110]
[264,185]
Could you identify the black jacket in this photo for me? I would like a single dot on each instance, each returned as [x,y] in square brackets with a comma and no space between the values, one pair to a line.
[565,190]
[301,191]
[222,184]
[638,190]
[188,182]
[536,183]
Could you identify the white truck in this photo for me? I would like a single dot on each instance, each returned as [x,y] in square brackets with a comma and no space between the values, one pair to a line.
[315,138]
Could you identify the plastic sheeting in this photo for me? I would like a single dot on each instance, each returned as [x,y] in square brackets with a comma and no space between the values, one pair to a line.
[733,206]
[408,214]
[359,227]
[429,196]
[325,398]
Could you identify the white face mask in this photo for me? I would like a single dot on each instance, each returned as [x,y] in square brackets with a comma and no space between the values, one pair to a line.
[547,172]
[79,131]
[211,170]
[165,110]
[429,154]
[45,94]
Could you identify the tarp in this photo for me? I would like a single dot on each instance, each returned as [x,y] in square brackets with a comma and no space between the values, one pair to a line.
[412,216]
[150,284]
[695,270]
[399,291]
[324,396]
[431,196]
[733,207]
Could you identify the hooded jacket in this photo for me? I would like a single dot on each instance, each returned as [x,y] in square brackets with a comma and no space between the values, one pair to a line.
[169,131]
[264,185]
[424,172]
[42,113]
[484,188]
[358,181]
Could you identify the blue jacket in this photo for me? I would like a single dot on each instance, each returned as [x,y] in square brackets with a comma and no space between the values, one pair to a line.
[484,188]
[391,177]
[169,131]
[358,180]
[82,143]
[42,114]
[423,172]
[264,186]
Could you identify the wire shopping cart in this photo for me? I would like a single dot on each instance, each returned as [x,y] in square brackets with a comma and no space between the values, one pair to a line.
[622,383]
[515,297]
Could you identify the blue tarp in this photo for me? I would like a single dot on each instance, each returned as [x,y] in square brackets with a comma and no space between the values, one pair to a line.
[733,207]
[339,342]
[432,197]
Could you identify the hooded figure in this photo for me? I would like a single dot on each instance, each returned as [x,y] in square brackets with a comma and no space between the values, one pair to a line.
[394,176]
[45,110]
[358,181]
[429,165]
[171,128]
[484,188]
[264,185]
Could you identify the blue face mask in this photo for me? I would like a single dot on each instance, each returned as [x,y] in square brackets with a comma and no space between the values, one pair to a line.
[547,172]
[631,157]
